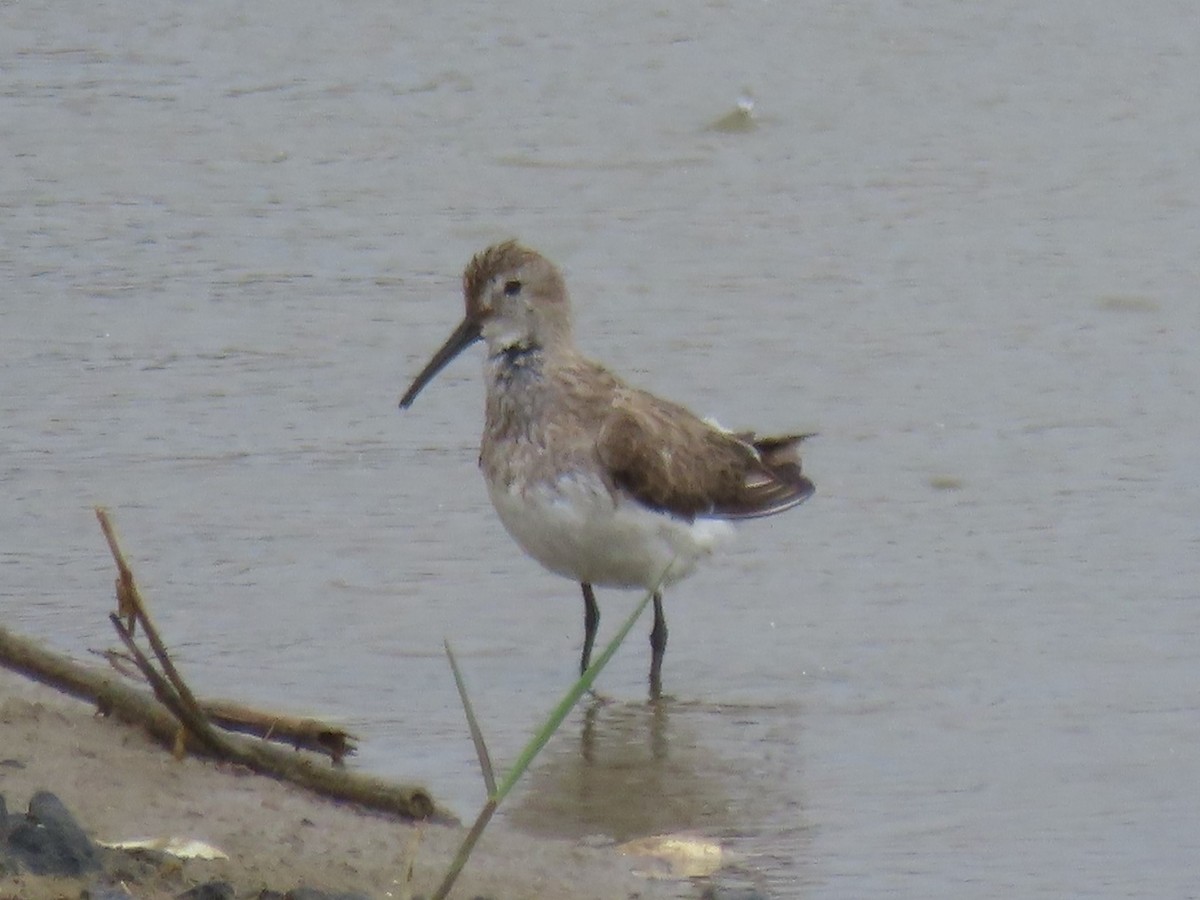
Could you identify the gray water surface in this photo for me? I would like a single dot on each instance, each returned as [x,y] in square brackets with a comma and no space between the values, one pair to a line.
[960,243]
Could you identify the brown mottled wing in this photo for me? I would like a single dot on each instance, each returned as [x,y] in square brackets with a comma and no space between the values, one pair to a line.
[670,460]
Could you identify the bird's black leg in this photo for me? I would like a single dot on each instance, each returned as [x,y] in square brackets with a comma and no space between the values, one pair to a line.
[658,646]
[591,621]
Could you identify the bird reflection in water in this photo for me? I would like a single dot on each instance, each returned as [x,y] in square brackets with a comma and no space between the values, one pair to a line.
[637,769]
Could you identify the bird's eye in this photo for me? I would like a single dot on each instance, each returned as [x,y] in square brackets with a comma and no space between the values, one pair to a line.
[512,288]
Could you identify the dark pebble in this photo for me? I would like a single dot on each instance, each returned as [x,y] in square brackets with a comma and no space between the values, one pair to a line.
[48,841]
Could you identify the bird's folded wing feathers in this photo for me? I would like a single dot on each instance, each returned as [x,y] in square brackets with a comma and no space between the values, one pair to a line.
[668,459]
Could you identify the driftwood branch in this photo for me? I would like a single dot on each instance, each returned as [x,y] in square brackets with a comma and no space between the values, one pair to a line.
[130,606]
[113,697]
[169,697]
[179,721]
[298,732]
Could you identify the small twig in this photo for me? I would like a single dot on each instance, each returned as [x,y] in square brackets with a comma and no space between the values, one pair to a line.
[130,598]
[162,688]
[165,692]
[176,695]
[124,583]
[299,732]
[122,663]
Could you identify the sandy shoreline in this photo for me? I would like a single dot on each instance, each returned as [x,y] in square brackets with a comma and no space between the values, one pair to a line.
[121,786]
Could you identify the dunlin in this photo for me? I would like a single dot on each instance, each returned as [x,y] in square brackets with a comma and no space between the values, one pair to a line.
[598,481]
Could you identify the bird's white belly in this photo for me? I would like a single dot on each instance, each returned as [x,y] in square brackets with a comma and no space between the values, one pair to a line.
[576,529]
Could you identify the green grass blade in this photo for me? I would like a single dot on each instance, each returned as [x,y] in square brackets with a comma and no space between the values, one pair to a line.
[481,750]
[536,743]
[578,689]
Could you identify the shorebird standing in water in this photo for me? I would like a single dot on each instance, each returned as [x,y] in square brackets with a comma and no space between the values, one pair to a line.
[598,481]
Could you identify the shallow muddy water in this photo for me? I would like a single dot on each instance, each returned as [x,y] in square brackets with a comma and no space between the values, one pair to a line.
[960,243]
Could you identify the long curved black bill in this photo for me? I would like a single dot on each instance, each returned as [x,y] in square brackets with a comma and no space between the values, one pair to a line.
[467,333]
